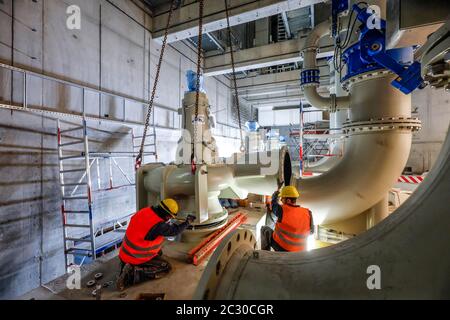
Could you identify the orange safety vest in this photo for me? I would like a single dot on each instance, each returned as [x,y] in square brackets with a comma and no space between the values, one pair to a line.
[135,249]
[292,232]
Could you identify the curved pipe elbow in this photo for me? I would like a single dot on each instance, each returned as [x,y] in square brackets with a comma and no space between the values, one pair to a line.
[309,55]
[315,99]
[320,31]
[331,103]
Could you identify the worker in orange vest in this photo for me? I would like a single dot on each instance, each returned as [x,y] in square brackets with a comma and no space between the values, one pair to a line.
[140,253]
[293,225]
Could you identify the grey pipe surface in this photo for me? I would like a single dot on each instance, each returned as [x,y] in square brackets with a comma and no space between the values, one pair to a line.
[372,161]
[310,62]
[408,250]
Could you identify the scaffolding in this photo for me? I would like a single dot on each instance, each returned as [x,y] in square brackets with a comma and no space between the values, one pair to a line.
[150,149]
[84,240]
[311,141]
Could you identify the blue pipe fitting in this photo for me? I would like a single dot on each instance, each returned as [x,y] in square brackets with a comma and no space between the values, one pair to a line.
[309,76]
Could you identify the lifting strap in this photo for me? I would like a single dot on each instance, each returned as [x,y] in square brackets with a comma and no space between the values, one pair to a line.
[155,84]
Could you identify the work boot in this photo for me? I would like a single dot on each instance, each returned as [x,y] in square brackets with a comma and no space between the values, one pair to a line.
[160,265]
[151,270]
[125,278]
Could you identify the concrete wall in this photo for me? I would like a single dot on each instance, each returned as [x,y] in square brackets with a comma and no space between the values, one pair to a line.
[113,51]
[288,117]
[432,108]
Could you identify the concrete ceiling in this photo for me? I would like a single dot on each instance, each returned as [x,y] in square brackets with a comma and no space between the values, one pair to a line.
[271,71]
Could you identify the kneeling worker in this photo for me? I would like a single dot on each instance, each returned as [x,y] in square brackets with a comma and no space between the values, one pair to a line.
[294,223]
[140,253]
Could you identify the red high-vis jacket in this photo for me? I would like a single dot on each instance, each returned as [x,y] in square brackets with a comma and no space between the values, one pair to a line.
[135,249]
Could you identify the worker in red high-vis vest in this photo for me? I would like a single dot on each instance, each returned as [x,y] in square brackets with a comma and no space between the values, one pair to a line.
[293,225]
[140,253]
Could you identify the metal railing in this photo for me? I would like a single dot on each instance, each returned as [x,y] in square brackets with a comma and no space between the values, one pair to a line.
[24,106]
[312,143]
[27,74]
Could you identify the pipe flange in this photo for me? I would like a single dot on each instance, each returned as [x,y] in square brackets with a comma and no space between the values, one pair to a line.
[309,77]
[347,84]
[382,124]
[236,241]
[314,50]
[312,84]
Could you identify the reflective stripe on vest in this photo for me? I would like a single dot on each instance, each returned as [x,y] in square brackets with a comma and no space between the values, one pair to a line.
[298,243]
[291,233]
[138,255]
[135,249]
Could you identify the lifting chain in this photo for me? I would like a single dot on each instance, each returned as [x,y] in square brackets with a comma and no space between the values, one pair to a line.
[197,88]
[155,84]
[236,95]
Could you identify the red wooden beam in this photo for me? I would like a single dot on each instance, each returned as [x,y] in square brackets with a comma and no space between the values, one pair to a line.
[207,246]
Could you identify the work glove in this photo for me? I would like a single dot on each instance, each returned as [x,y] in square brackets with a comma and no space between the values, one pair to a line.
[275,194]
[190,218]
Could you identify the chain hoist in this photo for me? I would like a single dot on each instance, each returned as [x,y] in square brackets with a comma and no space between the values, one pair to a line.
[236,95]
[155,84]
[197,89]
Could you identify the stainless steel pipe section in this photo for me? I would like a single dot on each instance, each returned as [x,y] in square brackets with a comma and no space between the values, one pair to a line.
[309,62]
[408,250]
[372,161]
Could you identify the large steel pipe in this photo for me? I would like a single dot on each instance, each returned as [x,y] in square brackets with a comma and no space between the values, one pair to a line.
[379,139]
[408,251]
[259,173]
[376,152]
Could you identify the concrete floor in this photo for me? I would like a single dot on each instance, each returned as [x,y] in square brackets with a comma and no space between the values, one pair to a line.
[179,284]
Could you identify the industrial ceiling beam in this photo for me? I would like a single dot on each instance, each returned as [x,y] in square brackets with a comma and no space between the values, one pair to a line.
[272,91]
[293,107]
[215,41]
[286,98]
[273,99]
[264,56]
[185,18]
[269,80]
[275,79]
[286,24]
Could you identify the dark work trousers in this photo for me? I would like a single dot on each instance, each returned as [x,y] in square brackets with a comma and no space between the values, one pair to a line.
[266,237]
[267,241]
[149,270]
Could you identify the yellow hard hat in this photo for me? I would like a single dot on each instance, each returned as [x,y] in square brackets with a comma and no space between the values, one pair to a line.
[289,192]
[170,206]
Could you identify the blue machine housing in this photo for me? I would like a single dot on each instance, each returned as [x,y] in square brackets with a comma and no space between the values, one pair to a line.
[191,78]
[337,6]
[252,126]
[370,54]
[357,63]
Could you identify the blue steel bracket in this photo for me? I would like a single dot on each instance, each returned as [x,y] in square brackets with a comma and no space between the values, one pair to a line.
[337,6]
[409,78]
[309,76]
[373,51]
